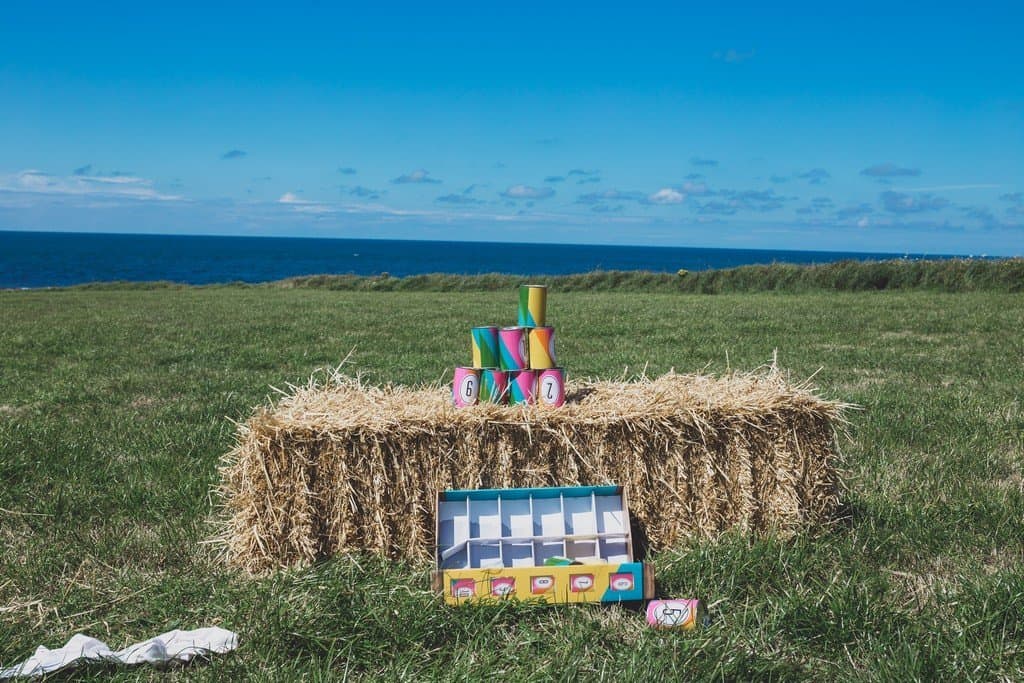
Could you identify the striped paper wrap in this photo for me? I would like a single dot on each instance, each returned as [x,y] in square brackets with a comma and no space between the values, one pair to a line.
[512,348]
[485,347]
[493,386]
[522,386]
[533,302]
[542,348]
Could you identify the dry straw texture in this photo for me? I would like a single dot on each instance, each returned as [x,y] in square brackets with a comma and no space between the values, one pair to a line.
[341,466]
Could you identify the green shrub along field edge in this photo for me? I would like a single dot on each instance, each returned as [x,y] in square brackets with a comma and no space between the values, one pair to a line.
[949,275]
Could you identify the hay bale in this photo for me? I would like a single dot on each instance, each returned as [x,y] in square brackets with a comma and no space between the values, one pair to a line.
[343,466]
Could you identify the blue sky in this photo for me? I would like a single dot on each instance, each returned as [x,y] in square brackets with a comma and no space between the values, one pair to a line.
[872,127]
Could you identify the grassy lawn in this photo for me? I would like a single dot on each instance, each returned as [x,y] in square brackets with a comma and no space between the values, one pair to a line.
[115,407]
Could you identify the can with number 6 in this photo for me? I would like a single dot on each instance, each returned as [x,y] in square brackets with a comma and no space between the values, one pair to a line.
[466,387]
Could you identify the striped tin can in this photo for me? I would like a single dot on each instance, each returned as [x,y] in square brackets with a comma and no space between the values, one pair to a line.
[522,386]
[681,614]
[493,386]
[466,387]
[513,348]
[533,303]
[542,348]
[485,347]
[551,387]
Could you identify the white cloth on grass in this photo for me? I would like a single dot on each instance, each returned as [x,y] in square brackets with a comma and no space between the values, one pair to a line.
[172,646]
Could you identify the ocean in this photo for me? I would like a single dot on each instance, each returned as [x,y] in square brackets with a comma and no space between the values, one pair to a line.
[55,259]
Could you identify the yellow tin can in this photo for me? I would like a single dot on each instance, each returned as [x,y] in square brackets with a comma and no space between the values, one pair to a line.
[533,303]
[542,348]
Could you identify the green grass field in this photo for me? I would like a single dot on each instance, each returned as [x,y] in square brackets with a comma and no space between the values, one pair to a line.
[115,407]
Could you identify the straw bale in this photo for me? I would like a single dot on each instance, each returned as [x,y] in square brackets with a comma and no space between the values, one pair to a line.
[341,466]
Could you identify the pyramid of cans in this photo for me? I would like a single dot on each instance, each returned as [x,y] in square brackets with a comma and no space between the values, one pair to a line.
[514,365]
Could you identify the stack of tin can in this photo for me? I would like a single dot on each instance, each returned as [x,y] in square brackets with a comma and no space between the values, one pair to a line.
[514,364]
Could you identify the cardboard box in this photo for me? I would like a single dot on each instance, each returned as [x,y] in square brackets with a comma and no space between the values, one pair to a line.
[497,544]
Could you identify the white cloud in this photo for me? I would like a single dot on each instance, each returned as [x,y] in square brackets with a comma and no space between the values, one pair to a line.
[667,195]
[527,192]
[36,182]
[304,205]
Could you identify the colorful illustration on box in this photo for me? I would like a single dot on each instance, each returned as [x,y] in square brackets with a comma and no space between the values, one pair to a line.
[463,588]
[542,584]
[621,582]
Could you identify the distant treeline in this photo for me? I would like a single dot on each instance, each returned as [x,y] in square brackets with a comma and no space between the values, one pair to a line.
[950,275]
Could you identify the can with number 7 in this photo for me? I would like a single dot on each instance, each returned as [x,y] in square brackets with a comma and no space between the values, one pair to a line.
[551,387]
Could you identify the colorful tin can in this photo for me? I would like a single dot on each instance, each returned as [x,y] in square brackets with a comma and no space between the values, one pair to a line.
[683,614]
[485,347]
[533,302]
[522,386]
[512,348]
[551,387]
[466,387]
[542,348]
[493,386]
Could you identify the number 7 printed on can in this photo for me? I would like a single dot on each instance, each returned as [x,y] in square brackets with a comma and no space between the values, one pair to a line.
[551,387]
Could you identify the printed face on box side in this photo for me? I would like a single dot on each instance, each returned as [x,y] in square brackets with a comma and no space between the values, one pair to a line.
[463,588]
[502,586]
[621,582]
[558,584]
[579,583]
[542,584]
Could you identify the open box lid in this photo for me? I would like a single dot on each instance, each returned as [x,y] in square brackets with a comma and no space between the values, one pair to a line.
[491,528]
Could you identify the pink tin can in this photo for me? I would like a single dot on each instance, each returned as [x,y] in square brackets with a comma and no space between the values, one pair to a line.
[513,353]
[522,386]
[682,614]
[551,387]
[466,387]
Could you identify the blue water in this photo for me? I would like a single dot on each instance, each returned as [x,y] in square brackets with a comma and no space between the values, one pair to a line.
[52,259]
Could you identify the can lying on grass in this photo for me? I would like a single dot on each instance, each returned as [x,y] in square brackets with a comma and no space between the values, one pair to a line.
[681,614]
